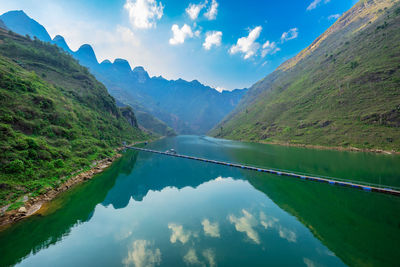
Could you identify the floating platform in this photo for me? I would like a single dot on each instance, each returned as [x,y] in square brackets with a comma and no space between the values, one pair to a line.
[331,181]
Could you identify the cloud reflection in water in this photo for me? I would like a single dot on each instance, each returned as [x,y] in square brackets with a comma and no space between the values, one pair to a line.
[141,254]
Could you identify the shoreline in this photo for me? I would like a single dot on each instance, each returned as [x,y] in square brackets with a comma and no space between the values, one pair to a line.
[319,147]
[33,205]
[337,148]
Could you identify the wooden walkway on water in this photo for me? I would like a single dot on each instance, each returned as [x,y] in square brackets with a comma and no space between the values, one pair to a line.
[331,181]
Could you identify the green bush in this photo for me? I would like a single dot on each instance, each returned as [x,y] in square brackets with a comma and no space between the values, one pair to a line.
[59,163]
[354,64]
[15,166]
[32,143]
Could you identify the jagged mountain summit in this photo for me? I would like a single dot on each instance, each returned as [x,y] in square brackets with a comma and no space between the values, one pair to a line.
[20,23]
[187,107]
[342,90]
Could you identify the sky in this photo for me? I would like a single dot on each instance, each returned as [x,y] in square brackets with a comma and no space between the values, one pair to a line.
[225,44]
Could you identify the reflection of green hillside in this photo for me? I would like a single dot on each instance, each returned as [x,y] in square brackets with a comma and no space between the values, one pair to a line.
[360,228]
[78,204]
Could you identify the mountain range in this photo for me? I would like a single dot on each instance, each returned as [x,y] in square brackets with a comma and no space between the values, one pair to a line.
[159,104]
[341,91]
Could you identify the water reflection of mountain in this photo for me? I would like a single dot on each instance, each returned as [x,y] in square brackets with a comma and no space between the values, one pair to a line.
[156,172]
[39,232]
[137,174]
[360,228]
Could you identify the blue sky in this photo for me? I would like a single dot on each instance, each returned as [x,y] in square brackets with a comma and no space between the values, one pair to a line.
[222,43]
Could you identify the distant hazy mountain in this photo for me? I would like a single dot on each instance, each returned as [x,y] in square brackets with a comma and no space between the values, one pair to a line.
[342,90]
[19,22]
[187,107]
[2,25]
[60,41]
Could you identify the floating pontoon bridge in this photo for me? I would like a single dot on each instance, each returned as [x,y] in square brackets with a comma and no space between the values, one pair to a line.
[332,181]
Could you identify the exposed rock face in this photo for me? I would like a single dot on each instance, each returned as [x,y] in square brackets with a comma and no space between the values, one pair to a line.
[129,115]
[22,210]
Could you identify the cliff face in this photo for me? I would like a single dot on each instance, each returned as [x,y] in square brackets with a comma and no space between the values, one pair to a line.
[129,115]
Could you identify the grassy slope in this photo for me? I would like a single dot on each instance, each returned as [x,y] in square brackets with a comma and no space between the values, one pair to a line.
[151,123]
[343,90]
[55,117]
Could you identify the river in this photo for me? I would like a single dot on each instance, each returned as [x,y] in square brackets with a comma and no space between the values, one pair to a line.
[154,210]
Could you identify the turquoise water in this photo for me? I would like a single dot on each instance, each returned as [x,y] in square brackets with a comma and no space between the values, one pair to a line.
[155,210]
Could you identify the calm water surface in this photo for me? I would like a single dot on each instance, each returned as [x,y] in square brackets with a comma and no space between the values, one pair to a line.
[154,210]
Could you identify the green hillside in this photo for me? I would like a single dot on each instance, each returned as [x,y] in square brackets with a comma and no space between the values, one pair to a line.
[342,90]
[55,117]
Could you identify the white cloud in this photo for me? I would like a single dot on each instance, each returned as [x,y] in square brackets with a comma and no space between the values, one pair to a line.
[211,229]
[141,255]
[287,234]
[212,11]
[247,45]
[191,258]
[209,254]
[180,34]
[193,10]
[272,222]
[267,222]
[143,14]
[308,262]
[208,259]
[316,3]
[127,35]
[334,16]
[212,38]
[178,233]
[290,35]
[245,224]
[269,48]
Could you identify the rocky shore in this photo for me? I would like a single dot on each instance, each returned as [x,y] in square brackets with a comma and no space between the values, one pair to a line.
[31,206]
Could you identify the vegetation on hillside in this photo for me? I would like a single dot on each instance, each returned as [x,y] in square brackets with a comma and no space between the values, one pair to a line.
[343,90]
[55,118]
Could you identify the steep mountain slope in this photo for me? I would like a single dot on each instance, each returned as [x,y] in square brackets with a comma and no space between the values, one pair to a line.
[147,122]
[55,117]
[20,23]
[343,90]
[187,107]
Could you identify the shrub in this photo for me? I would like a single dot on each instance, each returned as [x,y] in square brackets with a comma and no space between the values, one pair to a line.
[32,143]
[15,166]
[21,144]
[44,155]
[59,163]
[32,154]
[354,64]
